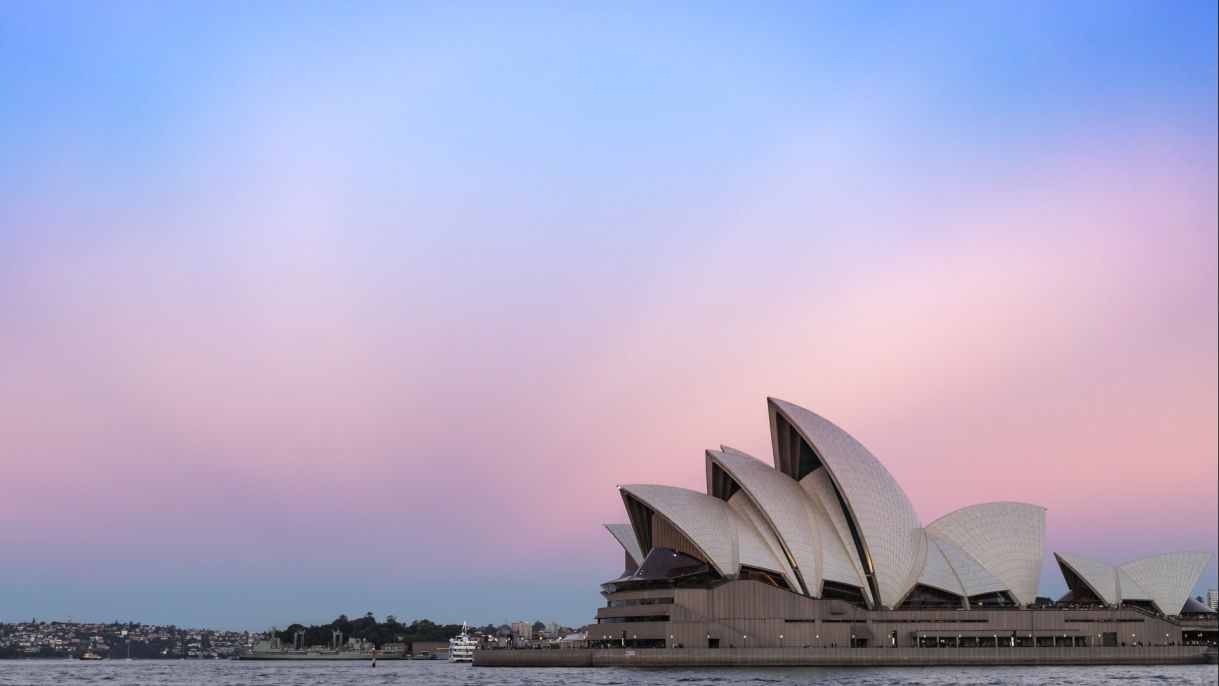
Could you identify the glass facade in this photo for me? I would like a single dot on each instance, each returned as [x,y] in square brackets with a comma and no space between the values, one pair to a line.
[926,597]
[665,568]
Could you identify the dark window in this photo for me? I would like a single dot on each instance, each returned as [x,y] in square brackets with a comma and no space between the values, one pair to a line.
[665,568]
[925,596]
[723,486]
[641,520]
[808,460]
[629,566]
[640,601]
[832,590]
[666,563]
[628,620]
[796,458]
[997,599]
[754,574]
[1080,593]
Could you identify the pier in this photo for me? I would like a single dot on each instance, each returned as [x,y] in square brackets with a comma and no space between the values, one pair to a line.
[846,657]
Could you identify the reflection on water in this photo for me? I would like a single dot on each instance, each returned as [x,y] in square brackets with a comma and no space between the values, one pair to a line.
[233,673]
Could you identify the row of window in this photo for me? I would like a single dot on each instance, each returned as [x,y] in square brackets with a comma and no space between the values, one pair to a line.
[931,621]
[896,621]
[1105,619]
[640,618]
[640,601]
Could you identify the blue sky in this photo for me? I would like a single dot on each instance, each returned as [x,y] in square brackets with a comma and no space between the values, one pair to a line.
[411,261]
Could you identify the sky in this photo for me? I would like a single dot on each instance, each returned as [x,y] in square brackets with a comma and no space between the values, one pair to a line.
[322,308]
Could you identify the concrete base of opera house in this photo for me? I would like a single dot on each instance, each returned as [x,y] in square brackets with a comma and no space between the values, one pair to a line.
[845,657]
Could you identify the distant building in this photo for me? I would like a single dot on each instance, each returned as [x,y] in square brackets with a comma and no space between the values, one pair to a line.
[1212,599]
[522,630]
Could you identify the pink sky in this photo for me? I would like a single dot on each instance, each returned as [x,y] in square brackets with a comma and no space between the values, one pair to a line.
[271,340]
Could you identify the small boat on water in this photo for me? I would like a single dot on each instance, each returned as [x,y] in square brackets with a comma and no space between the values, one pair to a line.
[90,655]
[461,646]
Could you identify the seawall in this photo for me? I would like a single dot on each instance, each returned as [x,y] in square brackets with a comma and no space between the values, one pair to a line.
[842,657]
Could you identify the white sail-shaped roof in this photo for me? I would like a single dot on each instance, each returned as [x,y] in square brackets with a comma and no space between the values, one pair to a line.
[626,537]
[1168,578]
[1007,539]
[1128,588]
[974,578]
[938,573]
[891,535]
[1100,577]
[705,521]
[838,561]
[762,549]
[784,506]
[830,512]
[719,534]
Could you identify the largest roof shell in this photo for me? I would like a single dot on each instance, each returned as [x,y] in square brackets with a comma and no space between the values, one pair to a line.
[891,536]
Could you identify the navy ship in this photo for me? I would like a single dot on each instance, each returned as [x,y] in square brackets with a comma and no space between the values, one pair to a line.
[274,649]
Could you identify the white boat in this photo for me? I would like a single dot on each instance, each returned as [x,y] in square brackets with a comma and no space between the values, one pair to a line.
[461,646]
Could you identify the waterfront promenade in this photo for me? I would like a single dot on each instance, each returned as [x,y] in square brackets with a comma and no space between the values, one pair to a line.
[844,657]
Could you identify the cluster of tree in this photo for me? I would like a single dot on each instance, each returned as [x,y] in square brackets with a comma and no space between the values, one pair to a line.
[369,629]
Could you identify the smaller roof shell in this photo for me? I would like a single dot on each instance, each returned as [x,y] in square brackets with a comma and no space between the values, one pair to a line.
[1168,578]
[720,535]
[782,503]
[938,573]
[625,534]
[1100,577]
[975,580]
[1008,539]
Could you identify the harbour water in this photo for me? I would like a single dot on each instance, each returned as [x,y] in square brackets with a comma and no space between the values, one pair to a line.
[235,673]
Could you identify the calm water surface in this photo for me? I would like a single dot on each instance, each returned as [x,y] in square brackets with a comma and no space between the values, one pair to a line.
[233,673]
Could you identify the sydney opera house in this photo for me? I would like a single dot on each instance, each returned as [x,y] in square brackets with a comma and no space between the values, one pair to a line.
[824,549]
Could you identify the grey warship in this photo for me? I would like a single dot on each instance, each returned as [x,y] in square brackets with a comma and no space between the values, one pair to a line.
[353,649]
